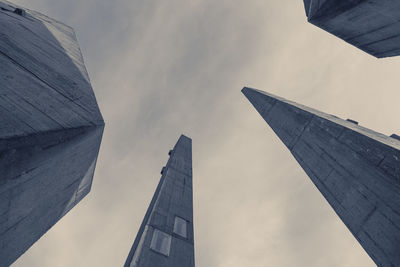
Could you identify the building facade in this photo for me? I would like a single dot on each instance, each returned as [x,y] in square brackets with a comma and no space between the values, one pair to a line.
[372,26]
[166,237]
[356,169]
[50,131]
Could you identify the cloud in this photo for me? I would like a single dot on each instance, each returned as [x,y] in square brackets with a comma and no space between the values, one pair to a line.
[162,68]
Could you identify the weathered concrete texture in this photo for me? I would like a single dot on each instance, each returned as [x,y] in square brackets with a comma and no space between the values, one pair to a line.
[50,130]
[373,25]
[356,169]
[173,198]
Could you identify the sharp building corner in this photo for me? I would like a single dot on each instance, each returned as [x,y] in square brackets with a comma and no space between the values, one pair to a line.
[51,127]
[356,169]
[165,237]
[372,26]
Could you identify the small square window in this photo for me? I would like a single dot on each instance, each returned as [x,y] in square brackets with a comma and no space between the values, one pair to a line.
[180,227]
[161,242]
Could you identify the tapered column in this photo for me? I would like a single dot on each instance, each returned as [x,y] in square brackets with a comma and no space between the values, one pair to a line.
[165,237]
[356,169]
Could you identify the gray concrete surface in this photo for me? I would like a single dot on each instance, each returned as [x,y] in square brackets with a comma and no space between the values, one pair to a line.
[373,26]
[50,130]
[172,198]
[356,169]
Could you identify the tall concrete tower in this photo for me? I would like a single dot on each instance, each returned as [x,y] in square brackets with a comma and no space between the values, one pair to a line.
[373,26]
[50,127]
[356,169]
[165,238]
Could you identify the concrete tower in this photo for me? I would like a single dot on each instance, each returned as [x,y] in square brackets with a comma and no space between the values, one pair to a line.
[165,238]
[356,169]
[50,127]
[373,26]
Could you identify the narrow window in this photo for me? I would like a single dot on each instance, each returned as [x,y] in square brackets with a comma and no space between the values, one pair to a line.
[19,11]
[161,242]
[180,227]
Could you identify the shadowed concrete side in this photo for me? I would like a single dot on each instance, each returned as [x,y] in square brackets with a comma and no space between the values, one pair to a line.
[39,184]
[51,127]
[165,237]
[356,169]
[373,26]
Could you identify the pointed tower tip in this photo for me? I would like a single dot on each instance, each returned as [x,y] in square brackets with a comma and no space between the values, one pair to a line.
[185,137]
[183,141]
[250,93]
[261,100]
[245,90]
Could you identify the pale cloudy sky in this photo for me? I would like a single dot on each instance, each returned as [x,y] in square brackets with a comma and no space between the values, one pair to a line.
[161,68]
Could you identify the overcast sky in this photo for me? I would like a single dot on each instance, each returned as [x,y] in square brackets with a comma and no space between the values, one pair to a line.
[161,68]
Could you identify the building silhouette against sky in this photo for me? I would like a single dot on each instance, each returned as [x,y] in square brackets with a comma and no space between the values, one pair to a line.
[356,169]
[372,26]
[165,237]
[50,130]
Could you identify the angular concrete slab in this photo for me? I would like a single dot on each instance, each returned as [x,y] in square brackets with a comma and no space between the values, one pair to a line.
[50,131]
[165,237]
[373,26]
[356,169]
